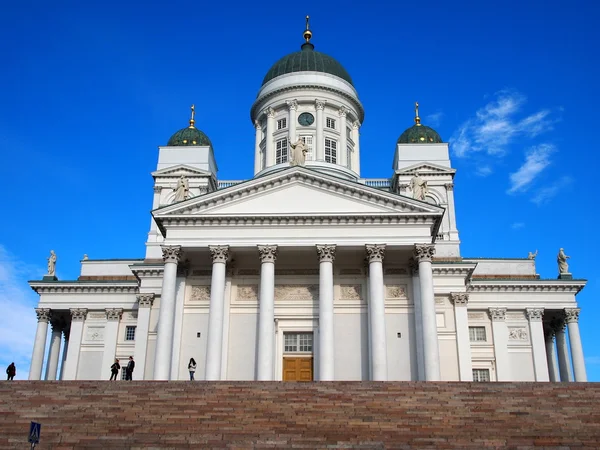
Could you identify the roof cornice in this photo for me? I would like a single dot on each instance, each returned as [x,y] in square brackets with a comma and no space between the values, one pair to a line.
[571,286]
[84,287]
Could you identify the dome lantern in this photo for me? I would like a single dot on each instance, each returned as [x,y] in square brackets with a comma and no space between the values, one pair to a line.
[419,133]
[189,136]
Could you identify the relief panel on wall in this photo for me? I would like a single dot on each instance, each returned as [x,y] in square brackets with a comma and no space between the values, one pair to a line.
[200,294]
[296,292]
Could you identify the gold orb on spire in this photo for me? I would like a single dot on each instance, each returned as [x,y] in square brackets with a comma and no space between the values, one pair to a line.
[307,33]
[417,118]
[192,121]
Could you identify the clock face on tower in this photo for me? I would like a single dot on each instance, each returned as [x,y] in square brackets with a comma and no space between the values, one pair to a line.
[306,119]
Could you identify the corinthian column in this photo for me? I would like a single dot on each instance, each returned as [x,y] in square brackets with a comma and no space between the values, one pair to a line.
[270,157]
[293,105]
[416,285]
[500,332]
[266,313]
[320,144]
[39,345]
[375,255]
[572,319]
[145,302]
[564,365]
[551,355]
[326,330]
[343,150]
[461,320]
[54,350]
[257,139]
[75,334]
[214,349]
[166,313]
[538,344]
[423,253]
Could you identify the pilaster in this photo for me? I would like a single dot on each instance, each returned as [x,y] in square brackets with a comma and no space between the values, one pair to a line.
[111,331]
[460,300]
[500,332]
[320,144]
[538,343]
[78,317]
[145,302]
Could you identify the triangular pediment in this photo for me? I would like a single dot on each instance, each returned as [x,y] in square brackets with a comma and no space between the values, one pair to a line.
[298,191]
[181,169]
[426,169]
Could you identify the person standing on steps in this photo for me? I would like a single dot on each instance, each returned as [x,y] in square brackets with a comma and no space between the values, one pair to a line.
[192,368]
[11,371]
[129,369]
[114,370]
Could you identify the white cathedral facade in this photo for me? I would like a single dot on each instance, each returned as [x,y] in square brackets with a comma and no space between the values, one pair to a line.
[308,271]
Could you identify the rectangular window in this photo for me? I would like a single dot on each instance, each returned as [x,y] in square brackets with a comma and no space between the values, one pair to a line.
[281,124]
[330,123]
[477,334]
[481,374]
[330,151]
[308,141]
[130,333]
[281,151]
[298,342]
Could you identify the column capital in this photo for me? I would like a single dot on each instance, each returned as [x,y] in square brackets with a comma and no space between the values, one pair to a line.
[270,113]
[320,104]
[375,252]
[497,314]
[355,125]
[424,252]
[572,315]
[535,314]
[43,314]
[326,253]
[292,104]
[114,314]
[171,253]
[459,298]
[78,314]
[157,189]
[343,111]
[219,253]
[267,253]
[145,300]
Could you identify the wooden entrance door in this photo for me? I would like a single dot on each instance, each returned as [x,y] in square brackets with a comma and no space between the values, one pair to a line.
[297,369]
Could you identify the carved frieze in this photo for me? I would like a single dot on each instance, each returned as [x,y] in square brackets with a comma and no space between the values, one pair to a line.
[440,301]
[247,292]
[395,291]
[375,252]
[515,315]
[96,315]
[476,315]
[297,292]
[517,334]
[350,291]
[326,253]
[94,334]
[423,252]
[200,293]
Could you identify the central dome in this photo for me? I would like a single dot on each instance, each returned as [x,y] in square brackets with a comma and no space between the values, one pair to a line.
[307,60]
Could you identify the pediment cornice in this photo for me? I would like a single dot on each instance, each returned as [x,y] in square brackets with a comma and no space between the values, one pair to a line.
[426,169]
[181,169]
[573,286]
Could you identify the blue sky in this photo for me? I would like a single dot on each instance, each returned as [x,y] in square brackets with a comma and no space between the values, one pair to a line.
[90,89]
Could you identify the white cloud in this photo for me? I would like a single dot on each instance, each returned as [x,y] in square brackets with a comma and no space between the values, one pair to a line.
[536,160]
[483,170]
[433,120]
[517,225]
[545,194]
[18,321]
[496,125]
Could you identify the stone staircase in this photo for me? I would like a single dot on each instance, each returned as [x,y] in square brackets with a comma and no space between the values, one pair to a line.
[367,415]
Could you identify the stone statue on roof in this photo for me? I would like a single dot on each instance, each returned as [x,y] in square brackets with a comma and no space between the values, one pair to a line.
[52,264]
[298,153]
[561,259]
[419,187]
[532,255]
[182,191]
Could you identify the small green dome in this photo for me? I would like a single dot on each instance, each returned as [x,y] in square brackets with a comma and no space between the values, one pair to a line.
[189,136]
[307,60]
[420,134]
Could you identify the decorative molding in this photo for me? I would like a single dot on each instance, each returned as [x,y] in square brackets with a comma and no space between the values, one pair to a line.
[517,334]
[320,104]
[572,315]
[95,334]
[145,300]
[147,272]
[396,271]
[171,253]
[375,252]
[395,291]
[296,292]
[461,270]
[114,314]
[200,294]
[43,314]
[247,292]
[96,315]
[497,314]
[270,113]
[351,292]
[78,314]
[515,315]
[219,253]
[75,287]
[326,253]
[267,253]
[440,301]
[525,286]
[131,315]
[459,298]
[535,314]
[476,315]
[424,252]
[292,104]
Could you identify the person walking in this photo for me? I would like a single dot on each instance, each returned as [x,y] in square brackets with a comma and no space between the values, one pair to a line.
[114,370]
[129,369]
[192,368]
[11,371]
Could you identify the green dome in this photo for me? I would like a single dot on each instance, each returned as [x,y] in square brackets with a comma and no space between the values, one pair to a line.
[307,60]
[420,134]
[189,136]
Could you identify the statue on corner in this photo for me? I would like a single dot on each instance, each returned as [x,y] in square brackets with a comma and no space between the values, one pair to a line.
[52,264]
[561,259]
[182,191]
[419,187]
[532,255]
[298,153]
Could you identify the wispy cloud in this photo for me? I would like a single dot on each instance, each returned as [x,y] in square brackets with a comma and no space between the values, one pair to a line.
[17,321]
[433,120]
[537,158]
[483,170]
[497,124]
[545,194]
[517,225]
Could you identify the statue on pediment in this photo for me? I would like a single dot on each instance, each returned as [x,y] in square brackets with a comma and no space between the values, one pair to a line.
[52,264]
[419,187]
[182,191]
[298,152]
[561,259]
[532,255]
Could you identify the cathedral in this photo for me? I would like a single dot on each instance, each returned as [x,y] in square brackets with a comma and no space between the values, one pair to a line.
[307,271]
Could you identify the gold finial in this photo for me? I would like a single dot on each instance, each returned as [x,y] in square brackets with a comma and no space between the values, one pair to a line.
[192,121]
[417,118]
[307,33]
